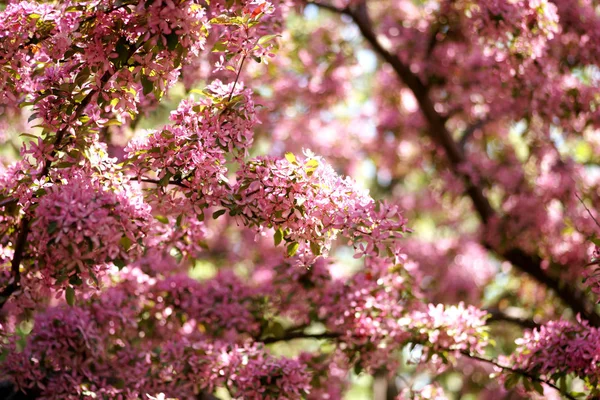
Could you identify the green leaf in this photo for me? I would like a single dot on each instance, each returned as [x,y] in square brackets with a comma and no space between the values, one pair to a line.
[164,181]
[112,122]
[52,227]
[512,381]
[267,38]
[291,158]
[147,85]
[172,41]
[33,117]
[29,135]
[219,47]
[119,383]
[122,49]
[82,76]
[75,280]
[70,295]
[292,248]
[315,248]
[218,213]
[278,236]
[562,383]
[162,218]
[125,242]
[538,387]
[311,166]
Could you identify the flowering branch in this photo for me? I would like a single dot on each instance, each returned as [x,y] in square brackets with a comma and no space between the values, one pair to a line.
[530,264]
[24,227]
[517,371]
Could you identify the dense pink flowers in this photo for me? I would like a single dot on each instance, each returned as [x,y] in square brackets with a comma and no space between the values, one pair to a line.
[222,307]
[308,204]
[60,356]
[82,224]
[144,263]
[192,152]
[559,348]
[67,357]
[451,328]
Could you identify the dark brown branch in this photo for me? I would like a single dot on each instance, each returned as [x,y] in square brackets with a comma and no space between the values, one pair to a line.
[300,335]
[290,335]
[587,209]
[469,132]
[530,264]
[9,201]
[498,316]
[206,396]
[157,181]
[517,371]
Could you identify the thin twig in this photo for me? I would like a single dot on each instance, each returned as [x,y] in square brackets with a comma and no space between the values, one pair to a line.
[157,181]
[237,77]
[587,209]
[8,201]
[517,371]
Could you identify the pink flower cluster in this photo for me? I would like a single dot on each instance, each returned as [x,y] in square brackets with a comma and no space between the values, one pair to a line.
[60,355]
[365,312]
[68,356]
[221,307]
[450,328]
[22,25]
[307,202]
[522,27]
[82,224]
[467,268]
[329,375]
[243,38]
[559,348]
[52,54]
[192,152]
[248,371]
[224,118]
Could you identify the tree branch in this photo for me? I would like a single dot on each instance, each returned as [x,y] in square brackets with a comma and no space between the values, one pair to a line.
[469,132]
[517,371]
[157,181]
[293,334]
[498,316]
[300,335]
[530,264]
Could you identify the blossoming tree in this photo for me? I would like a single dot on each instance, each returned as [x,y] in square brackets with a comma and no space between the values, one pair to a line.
[216,256]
